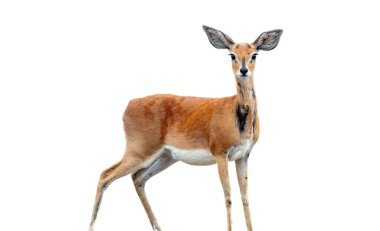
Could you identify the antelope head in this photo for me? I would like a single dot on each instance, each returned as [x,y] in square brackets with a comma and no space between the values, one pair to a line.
[243,55]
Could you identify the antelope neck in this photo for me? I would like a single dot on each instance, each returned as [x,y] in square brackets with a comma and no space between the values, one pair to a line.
[245,92]
[245,107]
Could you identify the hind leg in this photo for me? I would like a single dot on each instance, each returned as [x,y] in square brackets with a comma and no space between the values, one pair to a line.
[143,175]
[109,175]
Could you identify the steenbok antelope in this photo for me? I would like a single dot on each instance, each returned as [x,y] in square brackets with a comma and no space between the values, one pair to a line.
[163,129]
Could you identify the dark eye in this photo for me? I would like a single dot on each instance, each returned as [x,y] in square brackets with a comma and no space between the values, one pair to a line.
[254,56]
[233,57]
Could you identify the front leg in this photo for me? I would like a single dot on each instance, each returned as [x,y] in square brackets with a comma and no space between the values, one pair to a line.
[242,174]
[222,163]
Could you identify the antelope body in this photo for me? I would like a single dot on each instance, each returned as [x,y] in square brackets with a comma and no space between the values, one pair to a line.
[163,129]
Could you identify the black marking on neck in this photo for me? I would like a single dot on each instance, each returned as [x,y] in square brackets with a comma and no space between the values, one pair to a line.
[240,91]
[253,93]
[242,115]
[254,118]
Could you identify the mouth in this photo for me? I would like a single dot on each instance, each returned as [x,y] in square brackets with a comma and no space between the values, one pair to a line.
[244,76]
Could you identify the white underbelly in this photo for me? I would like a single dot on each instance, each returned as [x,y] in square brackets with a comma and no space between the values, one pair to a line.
[193,157]
[204,157]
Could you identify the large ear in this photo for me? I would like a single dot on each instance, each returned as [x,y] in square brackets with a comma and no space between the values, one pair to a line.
[217,38]
[268,40]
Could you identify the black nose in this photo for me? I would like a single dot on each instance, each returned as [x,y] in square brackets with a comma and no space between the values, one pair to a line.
[243,70]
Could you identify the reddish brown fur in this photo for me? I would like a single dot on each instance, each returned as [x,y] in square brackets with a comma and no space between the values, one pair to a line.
[182,122]
[191,122]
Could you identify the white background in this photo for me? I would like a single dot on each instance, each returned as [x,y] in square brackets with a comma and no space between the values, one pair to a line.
[69,68]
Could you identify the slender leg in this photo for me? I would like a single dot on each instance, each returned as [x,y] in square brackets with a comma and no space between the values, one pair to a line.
[222,163]
[242,174]
[143,175]
[109,175]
